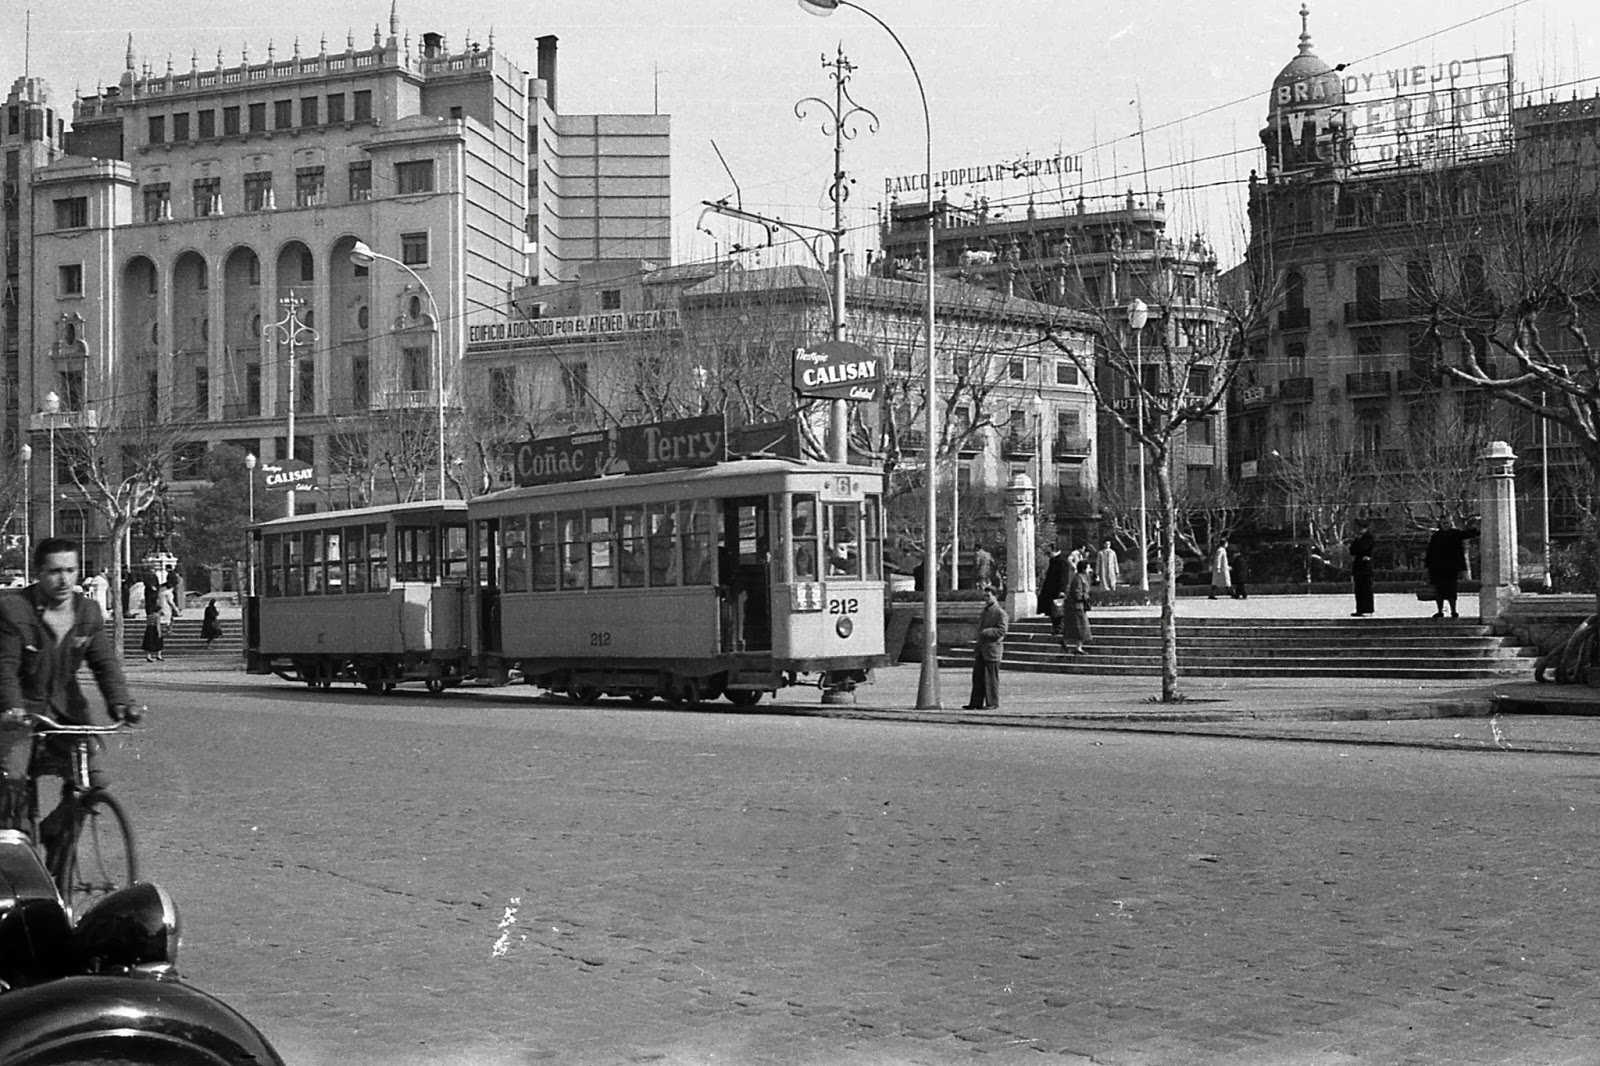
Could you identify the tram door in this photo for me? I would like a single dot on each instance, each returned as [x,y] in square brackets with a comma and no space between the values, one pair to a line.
[488,535]
[744,564]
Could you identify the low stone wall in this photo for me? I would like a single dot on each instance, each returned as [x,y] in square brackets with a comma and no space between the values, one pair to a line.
[1545,621]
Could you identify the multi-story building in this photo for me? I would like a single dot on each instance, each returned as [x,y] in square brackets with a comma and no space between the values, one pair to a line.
[156,249]
[1097,262]
[1371,207]
[625,346]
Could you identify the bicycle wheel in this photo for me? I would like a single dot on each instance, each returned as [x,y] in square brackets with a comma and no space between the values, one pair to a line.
[101,857]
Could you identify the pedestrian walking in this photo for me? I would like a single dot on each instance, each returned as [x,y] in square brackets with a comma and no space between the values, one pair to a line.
[210,624]
[1241,574]
[133,597]
[1221,572]
[1108,568]
[98,589]
[154,641]
[1446,557]
[992,626]
[1361,549]
[983,566]
[1051,588]
[1075,632]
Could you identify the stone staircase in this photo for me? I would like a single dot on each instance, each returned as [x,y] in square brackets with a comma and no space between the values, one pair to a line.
[1418,648]
[183,640]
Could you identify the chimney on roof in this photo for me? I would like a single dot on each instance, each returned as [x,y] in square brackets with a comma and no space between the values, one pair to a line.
[547,68]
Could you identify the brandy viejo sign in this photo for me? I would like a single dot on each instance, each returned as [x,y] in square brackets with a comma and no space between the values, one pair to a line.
[837,370]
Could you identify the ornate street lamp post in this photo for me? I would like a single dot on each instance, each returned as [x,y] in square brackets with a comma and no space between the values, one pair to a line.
[1138,316]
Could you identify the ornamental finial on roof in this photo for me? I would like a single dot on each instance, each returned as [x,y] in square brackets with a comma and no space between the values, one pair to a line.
[1305,30]
[128,60]
[394,17]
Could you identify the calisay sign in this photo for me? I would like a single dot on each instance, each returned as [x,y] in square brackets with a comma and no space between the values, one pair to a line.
[281,475]
[837,370]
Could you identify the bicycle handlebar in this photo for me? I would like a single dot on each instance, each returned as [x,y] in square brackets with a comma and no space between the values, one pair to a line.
[48,725]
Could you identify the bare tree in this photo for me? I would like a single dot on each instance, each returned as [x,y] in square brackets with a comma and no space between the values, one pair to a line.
[13,506]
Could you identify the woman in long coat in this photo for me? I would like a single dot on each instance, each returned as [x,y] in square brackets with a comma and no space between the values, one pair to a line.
[1075,615]
[1221,571]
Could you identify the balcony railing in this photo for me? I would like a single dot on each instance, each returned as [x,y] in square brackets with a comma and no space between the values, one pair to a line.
[1370,383]
[400,399]
[1297,388]
[1020,445]
[1077,446]
[1255,395]
[1396,310]
[1294,318]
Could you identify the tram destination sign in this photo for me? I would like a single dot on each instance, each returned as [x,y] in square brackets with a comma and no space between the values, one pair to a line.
[680,444]
[837,370]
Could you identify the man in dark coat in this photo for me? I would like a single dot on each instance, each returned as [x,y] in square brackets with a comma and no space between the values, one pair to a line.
[1052,586]
[1445,559]
[48,631]
[1361,550]
[992,626]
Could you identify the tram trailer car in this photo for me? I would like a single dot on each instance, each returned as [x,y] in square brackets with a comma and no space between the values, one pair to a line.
[735,579]
[374,596]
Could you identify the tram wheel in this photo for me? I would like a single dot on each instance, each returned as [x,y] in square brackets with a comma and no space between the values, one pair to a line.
[642,699]
[685,693]
[435,685]
[589,694]
[744,697]
[374,687]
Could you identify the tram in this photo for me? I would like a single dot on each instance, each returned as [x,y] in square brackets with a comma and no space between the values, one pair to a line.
[734,579]
[376,596]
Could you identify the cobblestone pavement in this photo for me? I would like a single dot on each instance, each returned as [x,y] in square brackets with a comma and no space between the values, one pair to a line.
[456,881]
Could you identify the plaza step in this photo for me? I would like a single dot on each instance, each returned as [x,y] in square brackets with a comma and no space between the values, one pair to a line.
[1417,648]
[184,638]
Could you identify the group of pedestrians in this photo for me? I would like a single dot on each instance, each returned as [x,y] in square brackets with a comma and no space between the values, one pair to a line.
[1445,560]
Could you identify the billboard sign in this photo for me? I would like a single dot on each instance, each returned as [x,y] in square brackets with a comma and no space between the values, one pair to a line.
[281,475]
[1429,115]
[837,370]
[675,445]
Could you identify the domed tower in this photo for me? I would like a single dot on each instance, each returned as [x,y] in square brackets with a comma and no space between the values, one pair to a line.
[1307,127]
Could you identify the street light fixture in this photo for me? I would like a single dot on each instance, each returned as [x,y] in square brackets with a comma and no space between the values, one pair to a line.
[928,680]
[27,510]
[52,407]
[250,466]
[363,255]
[1138,316]
[249,543]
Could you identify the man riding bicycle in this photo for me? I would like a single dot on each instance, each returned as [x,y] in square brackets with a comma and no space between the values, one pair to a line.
[47,631]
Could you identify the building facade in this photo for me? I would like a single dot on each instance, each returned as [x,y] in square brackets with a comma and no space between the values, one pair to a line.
[162,249]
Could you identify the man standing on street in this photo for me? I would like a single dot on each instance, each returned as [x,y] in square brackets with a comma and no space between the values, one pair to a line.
[1108,568]
[47,631]
[983,566]
[1445,559]
[1361,569]
[1051,588]
[992,626]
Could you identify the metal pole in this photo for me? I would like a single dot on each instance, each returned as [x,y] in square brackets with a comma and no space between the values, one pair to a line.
[839,410]
[52,475]
[1544,447]
[1144,522]
[27,511]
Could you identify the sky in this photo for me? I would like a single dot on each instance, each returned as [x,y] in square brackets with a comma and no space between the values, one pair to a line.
[1005,80]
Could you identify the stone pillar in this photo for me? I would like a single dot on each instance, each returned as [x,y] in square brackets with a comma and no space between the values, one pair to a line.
[1022,595]
[1497,502]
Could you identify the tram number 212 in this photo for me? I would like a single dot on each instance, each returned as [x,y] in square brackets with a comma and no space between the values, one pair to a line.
[842,606]
[600,640]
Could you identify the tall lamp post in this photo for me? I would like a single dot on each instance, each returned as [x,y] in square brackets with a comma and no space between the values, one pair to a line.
[249,542]
[52,408]
[1138,316]
[928,680]
[27,510]
[363,255]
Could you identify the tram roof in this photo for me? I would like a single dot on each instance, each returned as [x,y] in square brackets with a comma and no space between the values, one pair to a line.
[320,518]
[732,468]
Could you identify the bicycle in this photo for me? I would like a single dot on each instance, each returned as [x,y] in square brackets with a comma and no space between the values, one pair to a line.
[94,853]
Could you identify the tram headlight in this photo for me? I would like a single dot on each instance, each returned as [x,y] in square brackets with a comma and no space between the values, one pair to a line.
[844,627]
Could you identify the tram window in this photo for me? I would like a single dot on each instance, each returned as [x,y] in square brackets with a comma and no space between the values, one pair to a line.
[355,560]
[313,561]
[602,551]
[454,557]
[631,547]
[662,522]
[574,551]
[697,520]
[545,552]
[514,554]
[804,529]
[272,557]
[843,539]
[413,553]
[334,582]
[378,558]
[872,538]
[293,576]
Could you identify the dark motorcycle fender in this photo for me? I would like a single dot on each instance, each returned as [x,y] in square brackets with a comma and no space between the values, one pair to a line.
[159,1019]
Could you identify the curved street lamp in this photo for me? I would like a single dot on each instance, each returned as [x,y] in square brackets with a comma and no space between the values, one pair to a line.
[1138,317]
[52,408]
[928,680]
[27,510]
[363,255]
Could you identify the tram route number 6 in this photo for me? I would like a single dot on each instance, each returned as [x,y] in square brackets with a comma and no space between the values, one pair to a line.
[600,640]
[849,606]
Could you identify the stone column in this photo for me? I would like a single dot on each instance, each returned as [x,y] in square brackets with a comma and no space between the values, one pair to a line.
[1022,595]
[1497,501]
